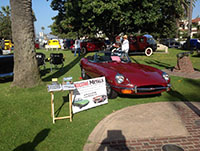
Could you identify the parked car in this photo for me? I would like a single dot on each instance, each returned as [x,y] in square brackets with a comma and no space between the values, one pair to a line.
[194,45]
[100,98]
[171,43]
[6,66]
[123,76]
[68,43]
[53,44]
[37,45]
[90,45]
[140,44]
[8,45]
[80,102]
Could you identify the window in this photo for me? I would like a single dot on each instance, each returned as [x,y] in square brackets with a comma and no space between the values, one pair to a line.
[141,39]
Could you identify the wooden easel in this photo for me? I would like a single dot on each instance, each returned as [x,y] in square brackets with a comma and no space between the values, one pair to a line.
[70,107]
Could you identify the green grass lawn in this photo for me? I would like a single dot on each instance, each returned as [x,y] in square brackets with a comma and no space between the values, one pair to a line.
[25,114]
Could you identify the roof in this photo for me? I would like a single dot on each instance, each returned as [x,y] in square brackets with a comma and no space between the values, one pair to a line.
[196,20]
[148,36]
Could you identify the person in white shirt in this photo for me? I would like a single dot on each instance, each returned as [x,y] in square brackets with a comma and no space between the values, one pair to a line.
[125,44]
[77,46]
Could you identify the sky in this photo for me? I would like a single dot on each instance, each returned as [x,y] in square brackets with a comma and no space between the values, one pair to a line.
[44,13]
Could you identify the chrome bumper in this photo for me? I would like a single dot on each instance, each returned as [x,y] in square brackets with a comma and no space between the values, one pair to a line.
[141,90]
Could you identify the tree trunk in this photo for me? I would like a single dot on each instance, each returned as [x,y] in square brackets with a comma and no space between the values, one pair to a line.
[190,19]
[26,71]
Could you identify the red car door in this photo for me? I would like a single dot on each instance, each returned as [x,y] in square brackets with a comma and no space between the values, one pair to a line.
[142,43]
[90,46]
[133,44]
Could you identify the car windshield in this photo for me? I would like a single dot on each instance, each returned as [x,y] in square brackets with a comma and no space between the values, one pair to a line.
[111,57]
[151,41]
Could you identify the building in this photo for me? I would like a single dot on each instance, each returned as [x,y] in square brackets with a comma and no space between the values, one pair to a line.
[195,31]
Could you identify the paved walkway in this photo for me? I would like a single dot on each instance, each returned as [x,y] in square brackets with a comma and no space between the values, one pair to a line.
[148,127]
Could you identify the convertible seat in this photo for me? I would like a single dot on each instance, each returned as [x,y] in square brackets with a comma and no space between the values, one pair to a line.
[116,58]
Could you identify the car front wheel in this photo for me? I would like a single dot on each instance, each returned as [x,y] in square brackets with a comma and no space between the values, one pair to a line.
[83,51]
[84,75]
[112,94]
[148,51]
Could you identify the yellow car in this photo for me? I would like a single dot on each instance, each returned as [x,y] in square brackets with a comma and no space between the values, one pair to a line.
[8,44]
[54,43]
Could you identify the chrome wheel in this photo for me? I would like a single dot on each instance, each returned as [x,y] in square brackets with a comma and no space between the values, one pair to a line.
[148,51]
[83,74]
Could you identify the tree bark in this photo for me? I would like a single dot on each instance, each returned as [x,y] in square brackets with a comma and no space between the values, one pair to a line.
[26,71]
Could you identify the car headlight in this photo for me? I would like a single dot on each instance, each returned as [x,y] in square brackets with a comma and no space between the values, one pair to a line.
[119,78]
[165,76]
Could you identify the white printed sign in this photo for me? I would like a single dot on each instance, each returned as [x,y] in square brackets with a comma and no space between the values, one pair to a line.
[88,94]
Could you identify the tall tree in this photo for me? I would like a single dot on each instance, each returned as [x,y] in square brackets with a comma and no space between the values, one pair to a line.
[6,10]
[26,72]
[112,17]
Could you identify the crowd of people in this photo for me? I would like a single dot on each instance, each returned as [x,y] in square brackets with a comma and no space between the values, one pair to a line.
[122,44]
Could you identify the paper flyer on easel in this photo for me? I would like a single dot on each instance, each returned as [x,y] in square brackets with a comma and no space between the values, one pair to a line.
[88,94]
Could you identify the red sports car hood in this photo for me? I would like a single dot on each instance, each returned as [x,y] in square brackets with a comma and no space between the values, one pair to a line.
[138,74]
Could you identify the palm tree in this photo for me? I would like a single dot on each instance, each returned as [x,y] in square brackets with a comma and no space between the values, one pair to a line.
[43,28]
[26,72]
[190,18]
[6,10]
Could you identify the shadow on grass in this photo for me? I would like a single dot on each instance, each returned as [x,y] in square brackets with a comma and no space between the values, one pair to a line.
[184,100]
[30,146]
[193,82]
[160,64]
[196,56]
[134,60]
[65,99]
[43,72]
[64,70]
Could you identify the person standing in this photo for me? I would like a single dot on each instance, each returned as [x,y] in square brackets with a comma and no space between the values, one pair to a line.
[77,46]
[125,44]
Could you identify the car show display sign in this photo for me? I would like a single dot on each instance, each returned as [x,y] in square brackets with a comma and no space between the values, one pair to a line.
[88,94]
[67,85]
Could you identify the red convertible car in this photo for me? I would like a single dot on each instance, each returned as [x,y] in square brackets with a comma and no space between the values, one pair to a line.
[91,45]
[123,76]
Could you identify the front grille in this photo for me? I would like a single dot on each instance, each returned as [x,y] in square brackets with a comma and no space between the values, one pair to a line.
[150,88]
